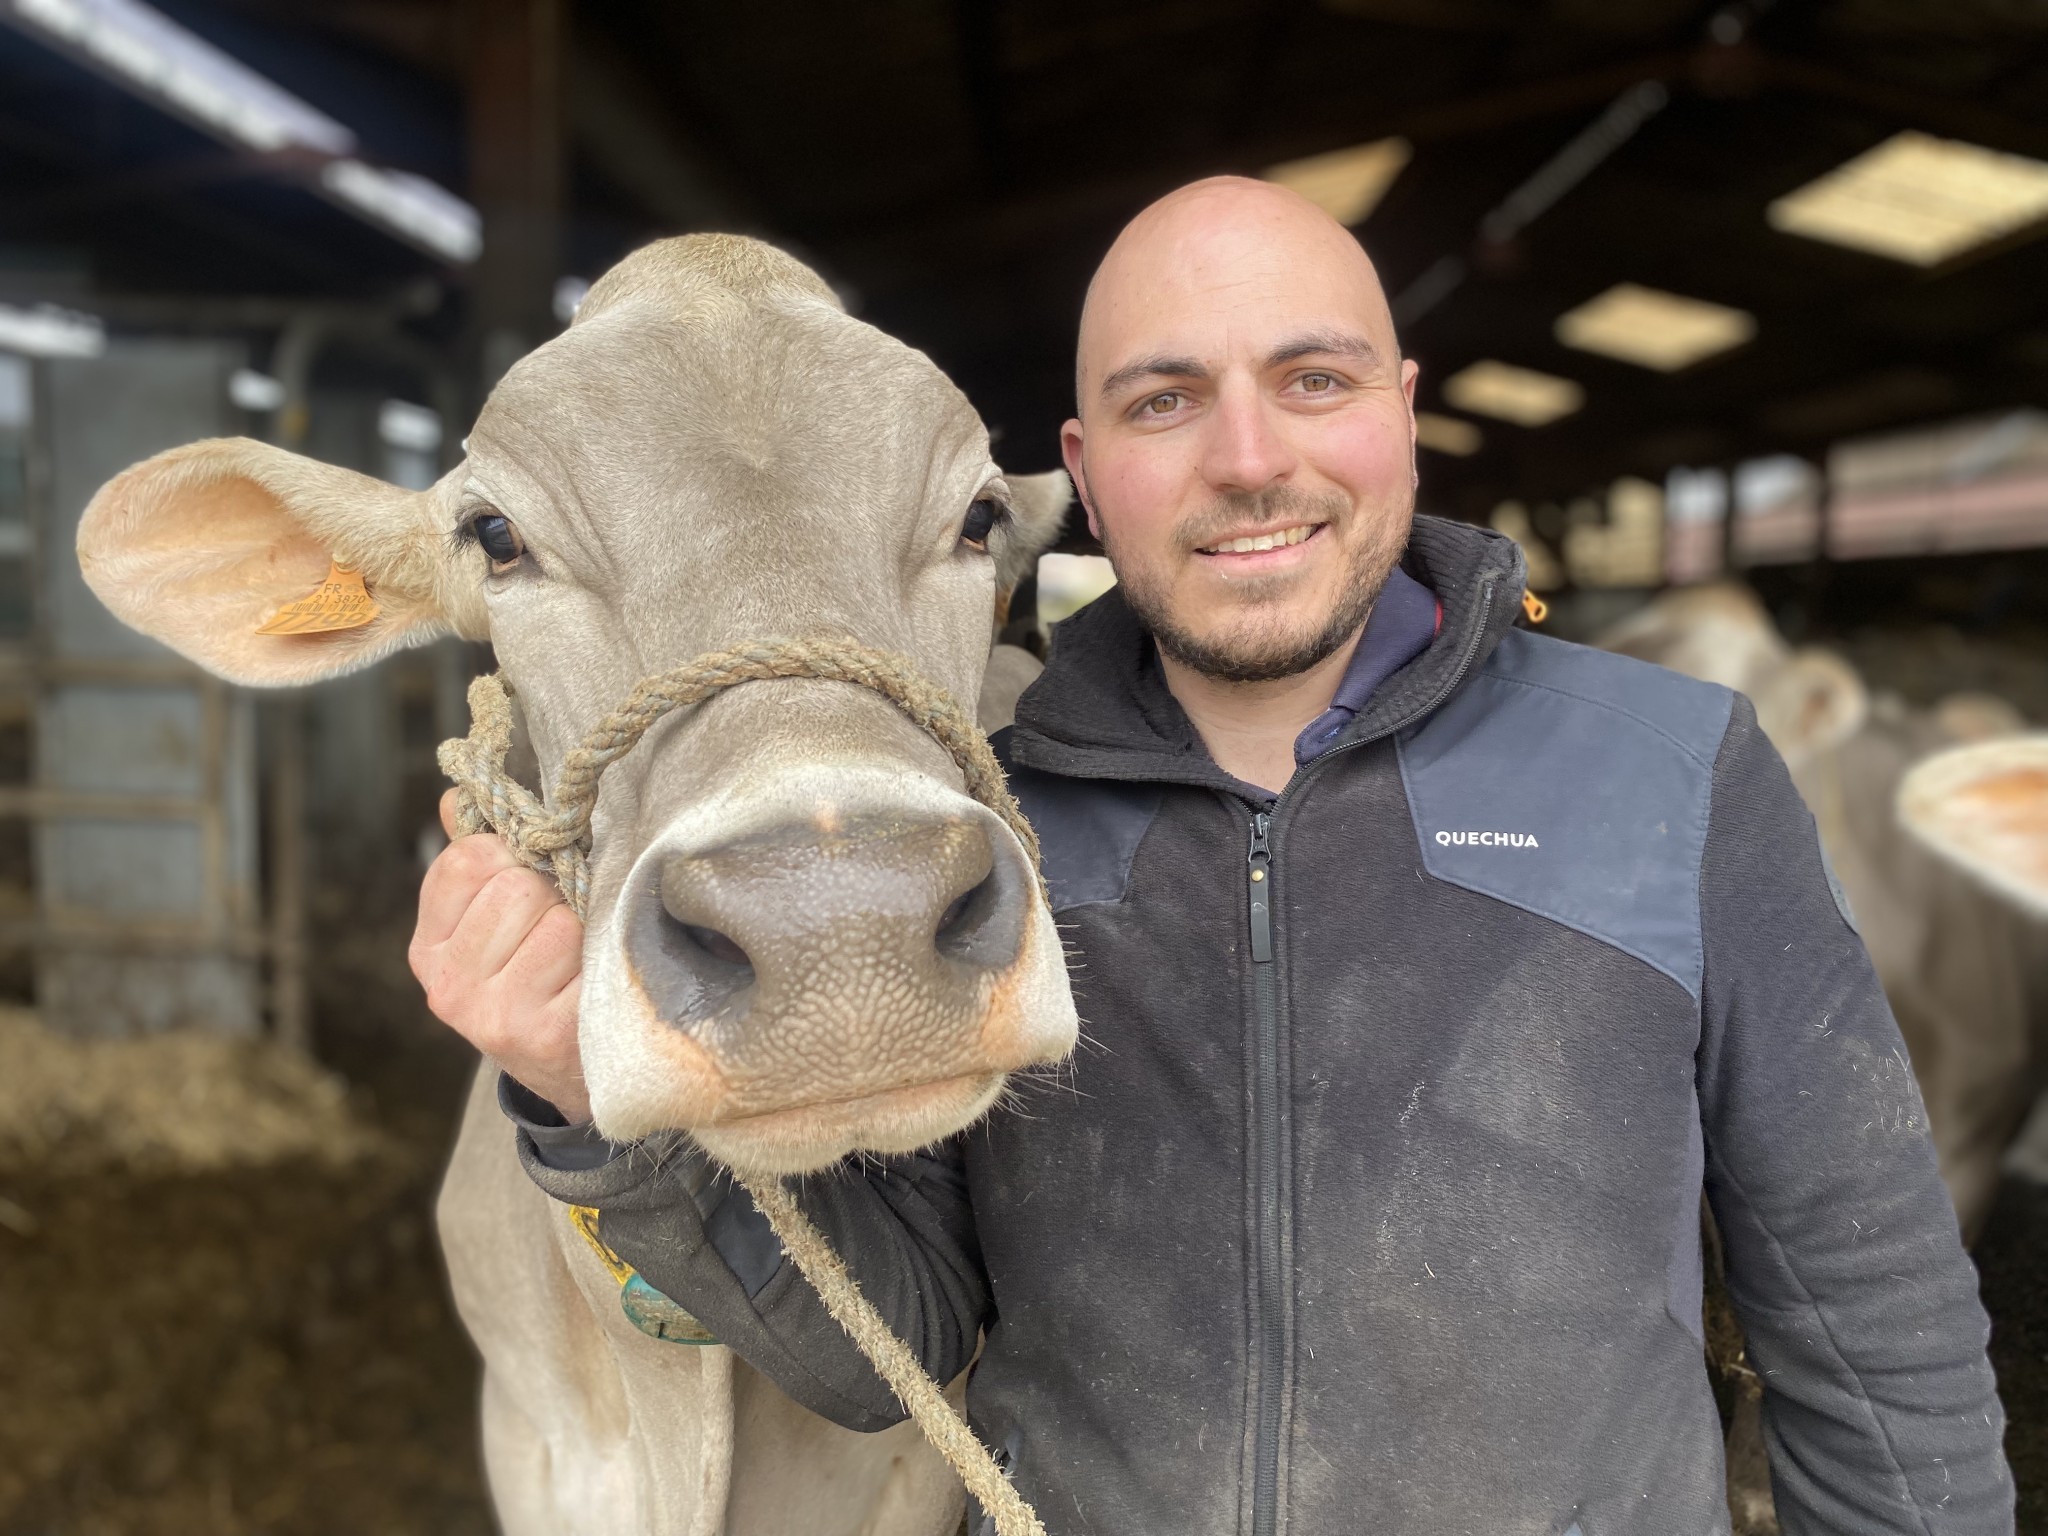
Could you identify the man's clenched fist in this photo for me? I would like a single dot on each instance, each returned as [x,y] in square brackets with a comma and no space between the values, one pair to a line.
[501,958]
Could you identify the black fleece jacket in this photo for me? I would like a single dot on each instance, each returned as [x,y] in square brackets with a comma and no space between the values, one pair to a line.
[1370,1203]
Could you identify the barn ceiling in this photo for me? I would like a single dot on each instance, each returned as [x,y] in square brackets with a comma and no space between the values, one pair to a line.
[957,168]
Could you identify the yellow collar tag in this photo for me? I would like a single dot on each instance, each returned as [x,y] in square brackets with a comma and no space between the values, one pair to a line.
[339,602]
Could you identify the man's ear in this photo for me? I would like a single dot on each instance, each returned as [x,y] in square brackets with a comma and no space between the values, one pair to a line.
[1038,511]
[1070,451]
[200,546]
[1410,372]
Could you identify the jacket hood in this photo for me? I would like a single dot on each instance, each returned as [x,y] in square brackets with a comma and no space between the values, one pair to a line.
[1102,709]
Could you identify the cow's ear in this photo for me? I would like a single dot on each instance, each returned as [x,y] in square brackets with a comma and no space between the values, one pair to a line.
[1812,703]
[202,546]
[1038,511]
[1984,808]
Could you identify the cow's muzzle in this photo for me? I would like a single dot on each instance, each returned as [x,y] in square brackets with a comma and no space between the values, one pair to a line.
[828,962]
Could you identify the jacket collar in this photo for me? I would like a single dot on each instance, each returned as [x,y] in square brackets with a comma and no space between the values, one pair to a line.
[1102,709]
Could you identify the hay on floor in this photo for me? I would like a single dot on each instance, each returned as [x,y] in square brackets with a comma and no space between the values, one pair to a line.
[175,1103]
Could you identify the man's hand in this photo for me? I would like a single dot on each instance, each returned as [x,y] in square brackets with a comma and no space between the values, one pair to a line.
[501,958]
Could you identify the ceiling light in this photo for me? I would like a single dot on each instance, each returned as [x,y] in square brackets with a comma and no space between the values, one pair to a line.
[47,331]
[408,205]
[402,424]
[254,391]
[1446,434]
[1521,395]
[183,71]
[1652,328]
[140,48]
[570,292]
[1919,199]
[1347,184]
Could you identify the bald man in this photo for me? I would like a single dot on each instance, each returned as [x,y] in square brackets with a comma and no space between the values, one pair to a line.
[1432,969]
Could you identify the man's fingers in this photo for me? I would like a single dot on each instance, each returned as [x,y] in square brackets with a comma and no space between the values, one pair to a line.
[448,802]
[550,957]
[498,921]
[458,873]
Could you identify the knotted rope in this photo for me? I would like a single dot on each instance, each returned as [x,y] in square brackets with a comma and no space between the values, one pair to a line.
[557,841]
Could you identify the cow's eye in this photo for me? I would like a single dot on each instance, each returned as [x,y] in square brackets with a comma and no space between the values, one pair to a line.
[500,540]
[982,518]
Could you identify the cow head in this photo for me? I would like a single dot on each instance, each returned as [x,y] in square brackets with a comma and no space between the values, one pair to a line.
[803,936]
[1984,808]
[1808,701]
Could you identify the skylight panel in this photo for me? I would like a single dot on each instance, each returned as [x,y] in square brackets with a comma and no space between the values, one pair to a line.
[420,210]
[1520,395]
[1447,434]
[1347,184]
[145,51]
[47,331]
[1654,329]
[186,73]
[1918,199]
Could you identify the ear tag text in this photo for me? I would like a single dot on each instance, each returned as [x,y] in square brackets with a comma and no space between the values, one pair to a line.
[339,602]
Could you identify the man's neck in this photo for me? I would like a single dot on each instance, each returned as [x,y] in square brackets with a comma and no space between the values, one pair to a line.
[1250,728]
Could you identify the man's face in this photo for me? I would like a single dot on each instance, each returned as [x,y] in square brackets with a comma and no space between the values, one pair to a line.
[1246,442]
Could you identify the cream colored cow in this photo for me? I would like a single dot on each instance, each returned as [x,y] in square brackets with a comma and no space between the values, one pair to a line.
[1962,969]
[1983,808]
[803,936]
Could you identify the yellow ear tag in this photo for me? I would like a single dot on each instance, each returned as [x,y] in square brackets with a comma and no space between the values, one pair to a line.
[339,602]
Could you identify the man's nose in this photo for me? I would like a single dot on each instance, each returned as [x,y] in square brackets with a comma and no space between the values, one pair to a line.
[1245,447]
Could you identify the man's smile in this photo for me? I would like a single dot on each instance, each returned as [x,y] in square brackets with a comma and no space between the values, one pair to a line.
[1261,551]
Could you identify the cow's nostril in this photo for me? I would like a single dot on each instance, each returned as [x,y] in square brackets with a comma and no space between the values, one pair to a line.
[689,972]
[717,945]
[953,911]
[962,924]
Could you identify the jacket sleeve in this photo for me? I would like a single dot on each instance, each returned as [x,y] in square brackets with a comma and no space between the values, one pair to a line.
[903,1225]
[1845,1265]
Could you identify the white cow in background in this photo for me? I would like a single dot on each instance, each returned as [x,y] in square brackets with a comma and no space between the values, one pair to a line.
[1984,809]
[1966,972]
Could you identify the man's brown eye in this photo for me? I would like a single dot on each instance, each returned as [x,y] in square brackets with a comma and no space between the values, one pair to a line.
[1316,383]
[500,540]
[1161,405]
[982,518]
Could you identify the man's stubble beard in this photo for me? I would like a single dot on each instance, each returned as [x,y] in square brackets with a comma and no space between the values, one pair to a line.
[1259,647]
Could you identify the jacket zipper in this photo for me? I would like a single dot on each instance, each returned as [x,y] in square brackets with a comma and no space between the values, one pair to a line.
[1275,1244]
[1269,1303]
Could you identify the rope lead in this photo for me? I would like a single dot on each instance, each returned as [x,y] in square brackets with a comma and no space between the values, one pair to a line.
[557,842]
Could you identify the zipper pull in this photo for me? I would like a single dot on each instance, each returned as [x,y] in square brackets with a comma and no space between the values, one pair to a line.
[1260,861]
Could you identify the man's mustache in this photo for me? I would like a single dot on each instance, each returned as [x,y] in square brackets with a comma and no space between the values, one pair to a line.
[1281,506]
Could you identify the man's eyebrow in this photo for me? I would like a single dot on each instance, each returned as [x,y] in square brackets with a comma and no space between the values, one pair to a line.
[1325,344]
[1153,368]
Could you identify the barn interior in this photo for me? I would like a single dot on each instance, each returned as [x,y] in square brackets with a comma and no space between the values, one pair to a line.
[1749,292]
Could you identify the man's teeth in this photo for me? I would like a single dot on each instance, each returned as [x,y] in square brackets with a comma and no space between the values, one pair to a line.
[1284,537]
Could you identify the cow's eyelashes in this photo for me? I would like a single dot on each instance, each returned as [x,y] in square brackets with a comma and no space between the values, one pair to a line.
[983,518]
[500,541]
